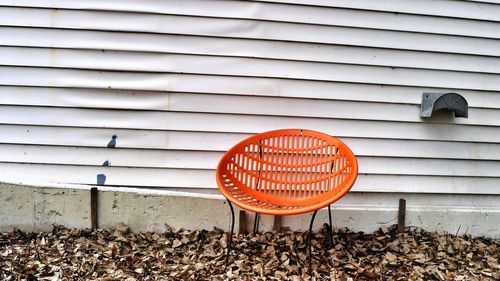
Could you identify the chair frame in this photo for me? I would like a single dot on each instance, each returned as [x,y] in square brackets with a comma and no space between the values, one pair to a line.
[256,227]
[337,190]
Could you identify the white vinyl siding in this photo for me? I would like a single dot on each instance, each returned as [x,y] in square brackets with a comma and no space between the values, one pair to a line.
[179,82]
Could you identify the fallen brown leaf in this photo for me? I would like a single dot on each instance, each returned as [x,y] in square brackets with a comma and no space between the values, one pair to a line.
[118,254]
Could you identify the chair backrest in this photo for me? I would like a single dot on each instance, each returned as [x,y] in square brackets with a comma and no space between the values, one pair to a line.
[289,167]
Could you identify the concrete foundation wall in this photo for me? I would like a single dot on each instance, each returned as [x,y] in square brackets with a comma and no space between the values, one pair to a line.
[35,207]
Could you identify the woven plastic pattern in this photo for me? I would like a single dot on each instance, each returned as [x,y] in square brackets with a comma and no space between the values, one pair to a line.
[287,172]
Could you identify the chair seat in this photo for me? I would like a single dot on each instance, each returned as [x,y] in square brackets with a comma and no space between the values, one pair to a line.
[286,172]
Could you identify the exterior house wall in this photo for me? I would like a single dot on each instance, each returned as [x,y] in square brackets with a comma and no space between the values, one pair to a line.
[151,93]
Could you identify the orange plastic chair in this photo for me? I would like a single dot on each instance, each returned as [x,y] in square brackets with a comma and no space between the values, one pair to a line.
[286,172]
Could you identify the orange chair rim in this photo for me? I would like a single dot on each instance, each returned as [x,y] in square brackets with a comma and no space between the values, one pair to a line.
[336,196]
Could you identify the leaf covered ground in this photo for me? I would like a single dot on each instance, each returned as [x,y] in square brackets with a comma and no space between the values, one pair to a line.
[118,254]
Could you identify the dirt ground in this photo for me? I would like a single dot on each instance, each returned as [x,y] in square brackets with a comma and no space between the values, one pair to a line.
[117,254]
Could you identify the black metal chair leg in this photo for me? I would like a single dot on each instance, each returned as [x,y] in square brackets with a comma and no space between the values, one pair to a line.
[309,240]
[331,226]
[256,223]
[231,234]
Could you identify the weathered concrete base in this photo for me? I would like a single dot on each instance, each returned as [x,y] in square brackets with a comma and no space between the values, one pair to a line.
[152,211]
[35,207]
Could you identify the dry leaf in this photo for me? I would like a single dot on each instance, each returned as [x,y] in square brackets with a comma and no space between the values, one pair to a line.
[390,257]
[117,254]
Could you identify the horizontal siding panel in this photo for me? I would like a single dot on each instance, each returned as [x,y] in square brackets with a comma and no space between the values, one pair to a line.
[424,149]
[50,77]
[241,123]
[175,63]
[181,44]
[208,160]
[209,103]
[85,98]
[454,9]
[286,13]
[319,109]
[141,158]
[94,137]
[141,177]
[145,140]
[156,100]
[189,179]
[83,79]
[447,8]
[487,1]
[428,167]
[239,28]
[427,184]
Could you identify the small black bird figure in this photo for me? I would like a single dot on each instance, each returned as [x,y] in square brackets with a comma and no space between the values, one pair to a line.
[112,142]
[101,179]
